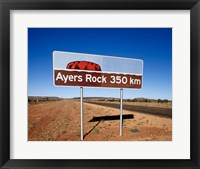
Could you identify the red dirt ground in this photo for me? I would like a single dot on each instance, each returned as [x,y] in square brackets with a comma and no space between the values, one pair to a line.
[60,121]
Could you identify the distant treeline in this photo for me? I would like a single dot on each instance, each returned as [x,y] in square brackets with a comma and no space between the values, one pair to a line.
[148,100]
[126,100]
[138,100]
[35,99]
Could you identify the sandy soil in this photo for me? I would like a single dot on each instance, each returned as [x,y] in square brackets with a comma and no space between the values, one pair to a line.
[60,121]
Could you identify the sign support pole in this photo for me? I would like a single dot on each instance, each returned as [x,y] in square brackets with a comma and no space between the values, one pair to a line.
[81,100]
[121,98]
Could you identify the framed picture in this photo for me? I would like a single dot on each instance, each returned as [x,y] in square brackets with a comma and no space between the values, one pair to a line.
[99,84]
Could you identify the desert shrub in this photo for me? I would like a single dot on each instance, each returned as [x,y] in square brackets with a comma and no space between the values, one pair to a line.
[135,129]
[159,101]
[96,130]
[162,101]
[111,100]
[165,101]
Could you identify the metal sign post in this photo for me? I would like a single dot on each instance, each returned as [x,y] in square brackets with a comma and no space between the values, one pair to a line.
[81,99]
[121,122]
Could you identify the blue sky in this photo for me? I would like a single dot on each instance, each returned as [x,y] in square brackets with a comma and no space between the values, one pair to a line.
[152,45]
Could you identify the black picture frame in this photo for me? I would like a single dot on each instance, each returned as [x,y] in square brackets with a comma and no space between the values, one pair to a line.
[7,5]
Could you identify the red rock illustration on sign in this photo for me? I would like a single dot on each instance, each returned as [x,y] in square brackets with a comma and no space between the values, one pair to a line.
[83,65]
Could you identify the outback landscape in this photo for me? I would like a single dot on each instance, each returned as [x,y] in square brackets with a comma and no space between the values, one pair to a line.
[57,119]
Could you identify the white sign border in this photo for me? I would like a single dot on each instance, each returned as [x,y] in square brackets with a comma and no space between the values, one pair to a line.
[91,71]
